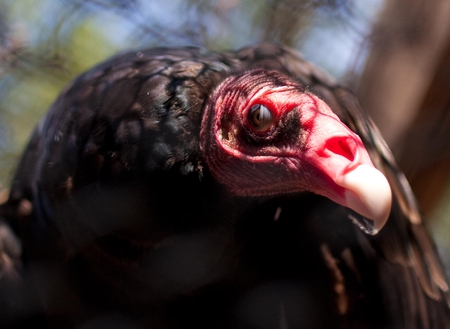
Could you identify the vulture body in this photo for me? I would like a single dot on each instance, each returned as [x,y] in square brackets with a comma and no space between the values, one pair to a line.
[158,193]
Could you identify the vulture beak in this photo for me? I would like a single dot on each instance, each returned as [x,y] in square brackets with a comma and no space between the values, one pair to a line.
[340,156]
[368,193]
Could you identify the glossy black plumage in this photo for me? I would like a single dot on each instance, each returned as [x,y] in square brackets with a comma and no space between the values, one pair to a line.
[128,225]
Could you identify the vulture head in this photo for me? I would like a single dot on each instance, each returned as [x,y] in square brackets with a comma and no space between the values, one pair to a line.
[263,133]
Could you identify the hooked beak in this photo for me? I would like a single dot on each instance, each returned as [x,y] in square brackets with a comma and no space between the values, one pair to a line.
[367,192]
[339,155]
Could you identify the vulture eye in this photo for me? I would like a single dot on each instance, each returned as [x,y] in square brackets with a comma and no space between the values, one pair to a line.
[260,117]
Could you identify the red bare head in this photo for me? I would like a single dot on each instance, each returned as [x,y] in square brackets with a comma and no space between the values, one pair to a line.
[264,134]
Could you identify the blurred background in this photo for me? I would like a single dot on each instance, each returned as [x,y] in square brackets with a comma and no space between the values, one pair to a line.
[395,55]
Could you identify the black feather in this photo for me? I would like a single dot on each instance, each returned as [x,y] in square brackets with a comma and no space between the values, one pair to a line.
[129,226]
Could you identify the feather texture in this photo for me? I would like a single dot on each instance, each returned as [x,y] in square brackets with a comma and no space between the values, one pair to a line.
[127,219]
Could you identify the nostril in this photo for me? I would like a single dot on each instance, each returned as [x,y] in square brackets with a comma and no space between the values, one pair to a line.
[343,146]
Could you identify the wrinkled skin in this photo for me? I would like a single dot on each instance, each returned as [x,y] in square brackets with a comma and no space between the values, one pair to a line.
[124,221]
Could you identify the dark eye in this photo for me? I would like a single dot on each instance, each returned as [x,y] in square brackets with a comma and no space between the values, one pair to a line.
[260,117]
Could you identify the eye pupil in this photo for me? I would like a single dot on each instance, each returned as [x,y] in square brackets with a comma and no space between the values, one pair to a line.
[260,117]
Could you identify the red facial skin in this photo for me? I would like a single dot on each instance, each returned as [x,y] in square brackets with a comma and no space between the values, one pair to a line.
[306,148]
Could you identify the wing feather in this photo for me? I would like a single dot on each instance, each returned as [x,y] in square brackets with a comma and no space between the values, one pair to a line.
[404,245]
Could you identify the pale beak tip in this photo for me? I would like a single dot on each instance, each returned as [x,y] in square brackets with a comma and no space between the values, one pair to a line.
[368,193]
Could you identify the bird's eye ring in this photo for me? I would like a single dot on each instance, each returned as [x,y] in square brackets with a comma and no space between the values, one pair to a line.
[260,117]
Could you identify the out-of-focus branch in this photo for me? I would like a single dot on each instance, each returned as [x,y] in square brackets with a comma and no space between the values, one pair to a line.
[408,41]
[408,55]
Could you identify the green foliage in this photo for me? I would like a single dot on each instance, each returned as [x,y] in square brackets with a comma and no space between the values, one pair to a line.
[44,65]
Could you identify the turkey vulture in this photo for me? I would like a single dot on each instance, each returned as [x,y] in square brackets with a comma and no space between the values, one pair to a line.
[185,188]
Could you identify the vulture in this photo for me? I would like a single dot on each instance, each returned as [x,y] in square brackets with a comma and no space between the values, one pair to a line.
[187,188]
